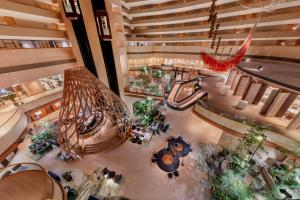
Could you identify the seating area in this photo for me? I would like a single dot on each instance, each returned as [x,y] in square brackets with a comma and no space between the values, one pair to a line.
[150,100]
[168,159]
[150,121]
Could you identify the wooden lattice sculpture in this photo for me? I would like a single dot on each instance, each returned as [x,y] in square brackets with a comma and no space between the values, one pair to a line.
[88,110]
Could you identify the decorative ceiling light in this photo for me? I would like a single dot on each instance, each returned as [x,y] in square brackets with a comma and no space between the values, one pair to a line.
[229,63]
[212,10]
[212,17]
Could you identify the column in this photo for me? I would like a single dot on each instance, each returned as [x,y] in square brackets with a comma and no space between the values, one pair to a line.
[243,85]
[231,76]
[280,104]
[269,101]
[286,104]
[114,10]
[93,39]
[295,123]
[71,35]
[235,81]
[255,92]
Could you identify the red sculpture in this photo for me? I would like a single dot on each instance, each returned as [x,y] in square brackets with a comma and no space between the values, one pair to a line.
[225,65]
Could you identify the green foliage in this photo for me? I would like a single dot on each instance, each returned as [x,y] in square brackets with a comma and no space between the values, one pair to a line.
[168,87]
[139,83]
[154,90]
[47,132]
[158,74]
[11,96]
[230,186]
[286,175]
[146,70]
[255,136]
[297,151]
[273,193]
[144,110]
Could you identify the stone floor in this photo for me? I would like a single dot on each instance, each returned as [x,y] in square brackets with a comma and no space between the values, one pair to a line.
[143,180]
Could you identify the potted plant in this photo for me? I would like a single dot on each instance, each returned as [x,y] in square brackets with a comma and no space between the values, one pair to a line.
[67,176]
[145,110]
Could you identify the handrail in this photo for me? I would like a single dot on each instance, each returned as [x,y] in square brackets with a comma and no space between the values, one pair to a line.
[41,168]
[10,117]
[241,125]
[23,163]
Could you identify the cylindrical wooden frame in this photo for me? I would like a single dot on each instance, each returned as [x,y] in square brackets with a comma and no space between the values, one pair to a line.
[84,94]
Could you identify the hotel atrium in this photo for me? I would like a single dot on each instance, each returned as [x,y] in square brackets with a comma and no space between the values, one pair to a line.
[149,99]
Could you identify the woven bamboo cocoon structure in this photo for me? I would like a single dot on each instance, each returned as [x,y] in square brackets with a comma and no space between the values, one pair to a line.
[88,110]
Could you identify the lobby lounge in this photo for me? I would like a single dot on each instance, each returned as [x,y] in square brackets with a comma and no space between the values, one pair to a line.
[149,100]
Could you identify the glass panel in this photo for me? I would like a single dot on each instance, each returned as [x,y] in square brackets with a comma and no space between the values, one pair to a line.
[77,7]
[105,25]
[99,29]
[68,6]
[27,44]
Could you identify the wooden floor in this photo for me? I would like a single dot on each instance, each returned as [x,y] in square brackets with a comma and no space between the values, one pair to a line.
[27,185]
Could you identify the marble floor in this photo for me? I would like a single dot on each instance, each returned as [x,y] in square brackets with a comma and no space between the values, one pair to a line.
[142,179]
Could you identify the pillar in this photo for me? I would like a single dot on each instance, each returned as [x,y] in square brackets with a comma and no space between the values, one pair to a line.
[71,35]
[114,10]
[295,123]
[93,39]
[231,76]
[269,101]
[255,92]
[281,102]
[243,85]
[235,81]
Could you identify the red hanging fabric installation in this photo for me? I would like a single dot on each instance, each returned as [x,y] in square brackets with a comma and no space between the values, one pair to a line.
[224,65]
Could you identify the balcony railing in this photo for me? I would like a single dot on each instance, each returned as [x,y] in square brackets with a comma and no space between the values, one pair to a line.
[29,44]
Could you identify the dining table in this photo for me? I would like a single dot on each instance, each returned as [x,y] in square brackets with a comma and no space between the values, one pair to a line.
[167,161]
